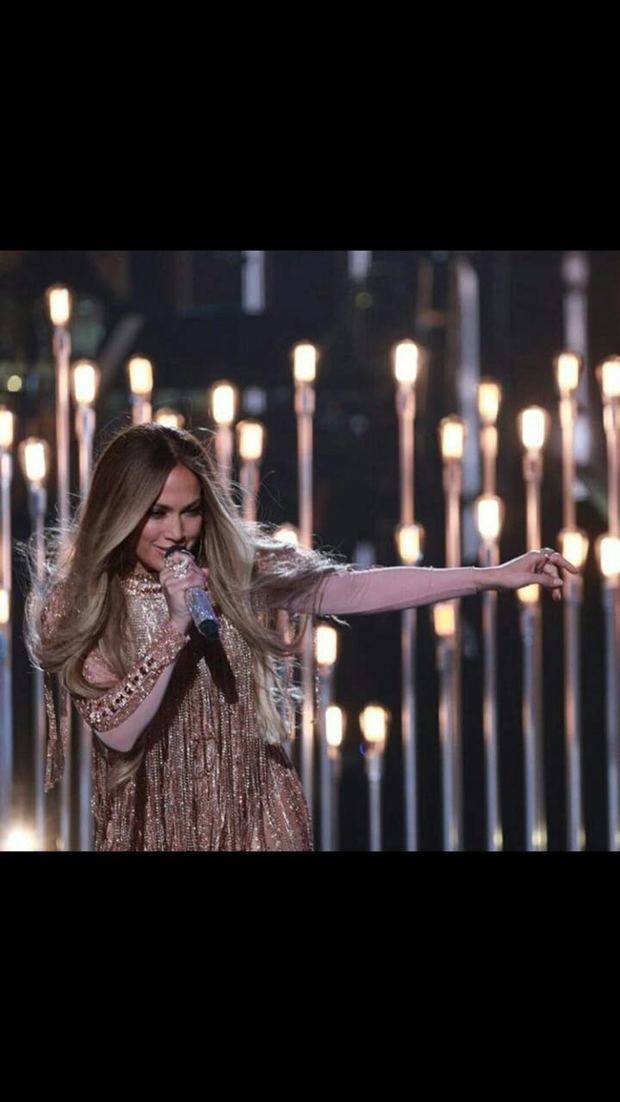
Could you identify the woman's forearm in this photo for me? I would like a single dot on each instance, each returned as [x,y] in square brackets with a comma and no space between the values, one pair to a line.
[391,588]
[124,736]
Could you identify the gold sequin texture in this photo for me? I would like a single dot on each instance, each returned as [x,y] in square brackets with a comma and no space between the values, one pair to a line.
[208,780]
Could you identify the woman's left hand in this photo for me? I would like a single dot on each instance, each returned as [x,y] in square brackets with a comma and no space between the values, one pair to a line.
[544,567]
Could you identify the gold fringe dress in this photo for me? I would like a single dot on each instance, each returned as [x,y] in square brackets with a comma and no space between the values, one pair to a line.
[208,780]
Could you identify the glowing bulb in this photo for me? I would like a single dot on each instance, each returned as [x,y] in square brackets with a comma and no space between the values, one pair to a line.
[443,619]
[14,383]
[6,427]
[304,363]
[528,594]
[608,548]
[140,376]
[489,516]
[409,539]
[574,544]
[223,403]
[85,379]
[406,357]
[567,369]
[287,533]
[4,606]
[452,437]
[609,377]
[334,725]
[59,305]
[20,840]
[33,457]
[489,398]
[533,427]
[374,723]
[170,418]
[326,645]
[251,435]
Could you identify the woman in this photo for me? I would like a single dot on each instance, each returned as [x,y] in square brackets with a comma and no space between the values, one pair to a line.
[188,750]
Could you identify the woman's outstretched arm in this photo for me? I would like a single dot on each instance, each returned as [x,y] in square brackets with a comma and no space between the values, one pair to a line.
[385,589]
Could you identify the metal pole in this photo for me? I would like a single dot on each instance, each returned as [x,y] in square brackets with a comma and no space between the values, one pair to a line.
[572,716]
[405,408]
[6,680]
[452,486]
[249,479]
[532,473]
[224,452]
[449,811]
[326,682]
[494,838]
[141,410]
[335,766]
[532,839]
[304,408]
[37,500]
[374,770]
[611,607]
[85,430]
[62,350]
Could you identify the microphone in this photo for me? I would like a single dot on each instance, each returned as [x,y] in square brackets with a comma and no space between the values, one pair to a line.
[198,604]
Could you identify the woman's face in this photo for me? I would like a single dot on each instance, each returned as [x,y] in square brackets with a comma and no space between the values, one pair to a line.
[174,520]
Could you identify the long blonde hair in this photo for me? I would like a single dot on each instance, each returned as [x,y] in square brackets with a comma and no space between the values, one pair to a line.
[87,561]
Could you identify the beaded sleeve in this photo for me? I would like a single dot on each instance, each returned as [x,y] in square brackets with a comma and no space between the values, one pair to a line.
[115,705]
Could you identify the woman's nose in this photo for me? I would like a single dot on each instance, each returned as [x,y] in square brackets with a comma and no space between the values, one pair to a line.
[174,529]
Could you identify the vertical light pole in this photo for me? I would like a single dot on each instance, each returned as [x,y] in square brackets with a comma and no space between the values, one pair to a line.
[408,536]
[608,374]
[85,380]
[250,445]
[574,545]
[34,461]
[608,555]
[489,519]
[6,588]
[141,385]
[170,418]
[326,650]
[374,722]
[452,441]
[444,623]
[533,423]
[489,400]
[60,305]
[568,368]
[334,733]
[223,401]
[304,372]
[287,534]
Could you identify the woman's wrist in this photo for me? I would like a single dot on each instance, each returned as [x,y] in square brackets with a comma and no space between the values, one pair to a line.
[182,626]
[486,577]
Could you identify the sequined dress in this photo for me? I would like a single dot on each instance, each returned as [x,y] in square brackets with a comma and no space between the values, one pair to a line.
[208,780]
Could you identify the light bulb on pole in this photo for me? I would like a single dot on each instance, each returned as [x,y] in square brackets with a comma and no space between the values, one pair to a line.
[33,455]
[489,401]
[406,363]
[140,371]
[251,443]
[304,374]
[533,425]
[452,432]
[223,403]
[335,723]
[326,651]
[374,722]
[489,520]
[170,418]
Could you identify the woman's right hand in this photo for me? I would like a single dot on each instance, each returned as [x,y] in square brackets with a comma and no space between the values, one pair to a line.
[195,577]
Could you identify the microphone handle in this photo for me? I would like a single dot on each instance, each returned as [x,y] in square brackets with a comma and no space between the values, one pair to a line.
[201,611]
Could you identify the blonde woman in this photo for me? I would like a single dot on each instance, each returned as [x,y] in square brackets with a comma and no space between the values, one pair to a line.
[187,749]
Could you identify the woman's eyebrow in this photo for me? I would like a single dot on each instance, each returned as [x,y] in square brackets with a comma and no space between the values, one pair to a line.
[158,504]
